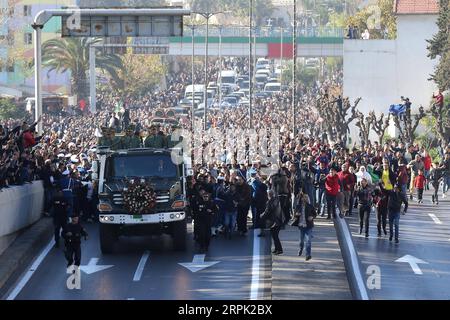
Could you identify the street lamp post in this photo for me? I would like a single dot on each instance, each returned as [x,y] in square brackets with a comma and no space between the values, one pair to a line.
[207,16]
[294,70]
[250,74]
[192,28]
[220,65]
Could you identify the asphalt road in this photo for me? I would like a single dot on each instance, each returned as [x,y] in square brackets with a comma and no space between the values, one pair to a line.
[422,237]
[146,268]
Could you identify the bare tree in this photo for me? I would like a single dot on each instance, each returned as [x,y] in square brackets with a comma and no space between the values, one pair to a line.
[379,125]
[364,123]
[407,124]
[337,114]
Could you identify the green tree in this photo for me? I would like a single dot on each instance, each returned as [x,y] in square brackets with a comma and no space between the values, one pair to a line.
[378,18]
[262,9]
[72,54]
[305,76]
[9,110]
[439,46]
[140,74]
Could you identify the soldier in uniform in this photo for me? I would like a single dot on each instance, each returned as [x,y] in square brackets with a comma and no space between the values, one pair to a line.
[72,236]
[172,144]
[104,140]
[115,141]
[60,209]
[130,141]
[156,139]
[206,209]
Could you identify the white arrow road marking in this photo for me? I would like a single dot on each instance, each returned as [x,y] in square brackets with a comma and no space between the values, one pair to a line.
[435,219]
[140,268]
[413,262]
[92,266]
[198,263]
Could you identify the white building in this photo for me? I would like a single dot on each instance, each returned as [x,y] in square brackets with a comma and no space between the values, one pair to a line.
[381,71]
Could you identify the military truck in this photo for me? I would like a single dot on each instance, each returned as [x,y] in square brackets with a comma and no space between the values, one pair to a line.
[115,169]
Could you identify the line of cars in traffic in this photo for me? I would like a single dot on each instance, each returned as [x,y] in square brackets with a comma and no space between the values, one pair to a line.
[231,89]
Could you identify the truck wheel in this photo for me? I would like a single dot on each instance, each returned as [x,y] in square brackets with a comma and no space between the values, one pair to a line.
[179,235]
[108,235]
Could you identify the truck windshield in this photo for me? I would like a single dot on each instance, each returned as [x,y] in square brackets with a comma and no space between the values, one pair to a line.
[149,166]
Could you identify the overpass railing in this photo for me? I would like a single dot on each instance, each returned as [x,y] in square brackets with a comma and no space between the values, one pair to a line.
[243,31]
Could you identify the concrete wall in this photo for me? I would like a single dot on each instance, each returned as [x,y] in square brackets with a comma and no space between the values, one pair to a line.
[414,67]
[20,206]
[380,71]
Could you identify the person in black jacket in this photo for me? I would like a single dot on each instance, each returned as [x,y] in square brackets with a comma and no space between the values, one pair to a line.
[306,214]
[244,193]
[274,213]
[72,236]
[206,209]
[396,198]
[60,209]
[364,194]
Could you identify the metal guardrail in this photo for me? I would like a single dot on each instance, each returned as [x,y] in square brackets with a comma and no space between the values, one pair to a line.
[351,261]
[242,31]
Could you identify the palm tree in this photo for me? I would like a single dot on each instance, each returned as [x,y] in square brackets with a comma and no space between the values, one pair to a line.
[72,54]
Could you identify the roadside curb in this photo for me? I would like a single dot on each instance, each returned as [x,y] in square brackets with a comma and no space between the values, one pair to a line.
[22,251]
[352,262]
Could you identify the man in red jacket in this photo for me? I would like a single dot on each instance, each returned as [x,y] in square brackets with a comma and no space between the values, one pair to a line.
[419,184]
[427,166]
[347,181]
[331,191]
[28,139]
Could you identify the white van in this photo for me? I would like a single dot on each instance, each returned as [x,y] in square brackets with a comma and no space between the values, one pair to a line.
[263,71]
[262,64]
[272,87]
[199,92]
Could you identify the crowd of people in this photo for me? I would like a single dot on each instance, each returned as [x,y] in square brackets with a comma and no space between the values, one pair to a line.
[310,175]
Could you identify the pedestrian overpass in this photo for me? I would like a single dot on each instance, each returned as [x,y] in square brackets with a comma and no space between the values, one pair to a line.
[268,42]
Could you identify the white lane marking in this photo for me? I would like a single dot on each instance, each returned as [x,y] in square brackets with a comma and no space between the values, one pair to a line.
[354,260]
[255,265]
[198,263]
[435,219]
[140,267]
[92,266]
[23,282]
[413,262]
[131,299]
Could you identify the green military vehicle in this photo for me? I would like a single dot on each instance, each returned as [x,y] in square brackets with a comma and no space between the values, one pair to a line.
[141,192]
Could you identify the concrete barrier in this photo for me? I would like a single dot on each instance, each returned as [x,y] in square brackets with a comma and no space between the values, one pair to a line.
[20,207]
[351,261]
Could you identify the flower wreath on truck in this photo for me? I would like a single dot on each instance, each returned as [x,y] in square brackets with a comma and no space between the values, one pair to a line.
[139,197]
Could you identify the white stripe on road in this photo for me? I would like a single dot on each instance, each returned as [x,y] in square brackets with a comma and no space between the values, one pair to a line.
[255,266]
[435,219]
[141,265]
[131,299]
[23,282]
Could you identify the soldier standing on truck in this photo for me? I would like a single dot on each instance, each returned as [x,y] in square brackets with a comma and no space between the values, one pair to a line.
[156,139]
[205,211]
[172,144]
[104,140]
[130,141]
[72,236]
